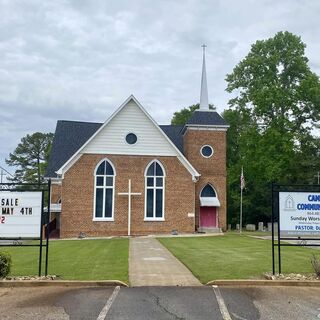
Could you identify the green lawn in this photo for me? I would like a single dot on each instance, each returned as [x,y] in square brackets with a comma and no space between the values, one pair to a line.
[235,256]
[103,259]
[251,233]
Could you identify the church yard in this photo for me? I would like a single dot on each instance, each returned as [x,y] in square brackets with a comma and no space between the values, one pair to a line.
[235,257]
[98,259]
[242,257]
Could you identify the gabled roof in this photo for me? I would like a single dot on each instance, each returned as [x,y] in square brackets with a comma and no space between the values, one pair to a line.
[206,118]
[71,135]
[68,138]
[175,134]
[80,136]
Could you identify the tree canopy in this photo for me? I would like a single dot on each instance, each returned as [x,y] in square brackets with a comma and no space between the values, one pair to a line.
[31,157]
[277,104]
[276,86]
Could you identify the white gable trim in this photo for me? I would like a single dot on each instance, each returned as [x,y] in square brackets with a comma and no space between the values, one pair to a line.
[77,154]
[205,127]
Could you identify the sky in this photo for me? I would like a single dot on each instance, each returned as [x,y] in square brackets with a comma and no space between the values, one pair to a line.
[80,59]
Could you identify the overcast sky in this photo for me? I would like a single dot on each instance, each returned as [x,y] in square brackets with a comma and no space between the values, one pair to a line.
[79,60]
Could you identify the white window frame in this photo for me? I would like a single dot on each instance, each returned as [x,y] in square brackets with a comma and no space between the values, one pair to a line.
[125,139]
[209,184]
[207,145]
[104,187]
[154,187]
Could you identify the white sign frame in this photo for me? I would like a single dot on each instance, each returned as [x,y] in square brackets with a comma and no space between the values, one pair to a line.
[21,214]
[299,213]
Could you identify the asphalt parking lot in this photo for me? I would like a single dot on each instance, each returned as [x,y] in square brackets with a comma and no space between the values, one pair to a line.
[160,303]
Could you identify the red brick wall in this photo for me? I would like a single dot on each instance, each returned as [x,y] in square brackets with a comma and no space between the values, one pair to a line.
[78,194]
[55,193]
[55,197]
[212,170]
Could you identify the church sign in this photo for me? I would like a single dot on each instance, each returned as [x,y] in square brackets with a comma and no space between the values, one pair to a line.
[299,213]
[20,214]
[296,210]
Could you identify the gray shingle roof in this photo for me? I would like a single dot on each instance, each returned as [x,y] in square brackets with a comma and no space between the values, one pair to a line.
[175,135]
[71,135]
[207,118]
[68,138]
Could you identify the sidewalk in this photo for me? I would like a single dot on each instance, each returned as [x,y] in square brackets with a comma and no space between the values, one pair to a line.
[151,264]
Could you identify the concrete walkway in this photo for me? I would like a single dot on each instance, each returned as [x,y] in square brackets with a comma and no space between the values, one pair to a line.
[151,264]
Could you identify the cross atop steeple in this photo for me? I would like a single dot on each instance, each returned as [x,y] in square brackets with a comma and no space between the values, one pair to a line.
[204,104]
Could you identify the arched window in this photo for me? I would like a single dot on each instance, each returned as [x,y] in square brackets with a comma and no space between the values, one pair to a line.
[104,191]
[208,197]
[154,191]
[208,191]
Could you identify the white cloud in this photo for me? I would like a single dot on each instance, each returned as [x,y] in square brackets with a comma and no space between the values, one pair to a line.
[81,59]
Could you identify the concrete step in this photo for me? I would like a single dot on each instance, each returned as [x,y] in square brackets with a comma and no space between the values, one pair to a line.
[209,230]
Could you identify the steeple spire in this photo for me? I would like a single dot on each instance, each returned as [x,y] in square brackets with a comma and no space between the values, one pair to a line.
[204,104]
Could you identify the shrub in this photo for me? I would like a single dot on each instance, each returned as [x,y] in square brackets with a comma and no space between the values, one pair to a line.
[5,264]
[315,261]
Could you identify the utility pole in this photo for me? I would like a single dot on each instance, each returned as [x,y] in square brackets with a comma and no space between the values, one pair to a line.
[4,173]
[242,186]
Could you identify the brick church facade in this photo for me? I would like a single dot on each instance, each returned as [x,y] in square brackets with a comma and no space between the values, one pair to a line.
[130,176]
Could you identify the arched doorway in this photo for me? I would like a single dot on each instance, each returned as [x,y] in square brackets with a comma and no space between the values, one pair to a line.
[209,204]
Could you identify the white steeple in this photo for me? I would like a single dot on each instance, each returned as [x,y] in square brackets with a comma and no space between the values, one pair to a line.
[204,104]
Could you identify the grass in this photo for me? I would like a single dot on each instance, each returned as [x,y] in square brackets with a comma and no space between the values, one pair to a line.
[252,233]
[103,259]
[235,256]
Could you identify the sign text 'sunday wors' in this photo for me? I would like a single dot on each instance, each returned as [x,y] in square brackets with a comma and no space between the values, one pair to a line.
[20,214]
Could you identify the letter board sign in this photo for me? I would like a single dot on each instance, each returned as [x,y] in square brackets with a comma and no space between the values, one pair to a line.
[20,214]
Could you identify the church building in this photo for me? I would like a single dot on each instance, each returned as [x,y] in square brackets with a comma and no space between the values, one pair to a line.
[131,176]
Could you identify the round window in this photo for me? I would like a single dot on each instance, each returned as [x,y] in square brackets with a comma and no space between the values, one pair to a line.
[131,138]
[207,151]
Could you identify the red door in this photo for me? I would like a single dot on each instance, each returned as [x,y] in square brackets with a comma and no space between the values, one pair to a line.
[208,217]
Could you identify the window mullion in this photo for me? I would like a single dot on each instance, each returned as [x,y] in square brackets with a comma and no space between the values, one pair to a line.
[113,197]
[162,200]
[154,196]
[104,196]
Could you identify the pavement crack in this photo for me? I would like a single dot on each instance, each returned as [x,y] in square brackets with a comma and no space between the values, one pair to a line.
[166,310]
[4,293]
[237,316]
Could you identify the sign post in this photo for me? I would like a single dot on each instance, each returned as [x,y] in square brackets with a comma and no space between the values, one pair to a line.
[22,216]
[296,208]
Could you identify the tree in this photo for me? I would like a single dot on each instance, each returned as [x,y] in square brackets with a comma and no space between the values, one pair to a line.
[271,120]
[31,157]
[276,84]
[182,116]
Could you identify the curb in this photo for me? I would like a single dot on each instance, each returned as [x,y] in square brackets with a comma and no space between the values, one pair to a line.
[60,283]
[266,283]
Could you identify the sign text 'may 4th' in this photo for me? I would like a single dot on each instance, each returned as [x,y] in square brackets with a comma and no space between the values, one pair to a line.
[20,214]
